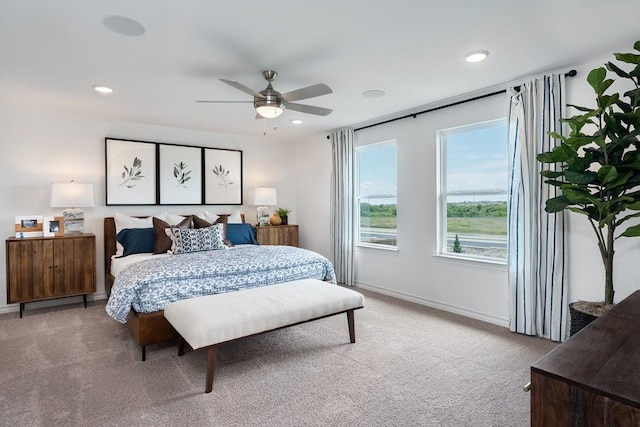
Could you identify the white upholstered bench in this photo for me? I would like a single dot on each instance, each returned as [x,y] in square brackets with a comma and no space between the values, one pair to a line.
[215,319]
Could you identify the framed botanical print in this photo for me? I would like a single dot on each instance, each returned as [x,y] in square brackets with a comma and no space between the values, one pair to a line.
[130,170]
[222,177]
[180,174]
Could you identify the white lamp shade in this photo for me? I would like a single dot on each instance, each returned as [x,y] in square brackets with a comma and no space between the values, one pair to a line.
[71,195]
[264,196]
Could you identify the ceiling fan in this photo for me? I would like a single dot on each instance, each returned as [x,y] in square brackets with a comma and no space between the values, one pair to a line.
[269,103]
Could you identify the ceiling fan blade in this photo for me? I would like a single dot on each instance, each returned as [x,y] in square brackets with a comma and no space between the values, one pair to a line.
[307,92]
[309,109]
[241,87]
[224,102]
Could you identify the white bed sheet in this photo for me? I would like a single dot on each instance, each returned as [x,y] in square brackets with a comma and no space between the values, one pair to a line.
[119,264]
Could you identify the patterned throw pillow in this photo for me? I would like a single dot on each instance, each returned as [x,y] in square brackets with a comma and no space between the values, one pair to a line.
[196,239]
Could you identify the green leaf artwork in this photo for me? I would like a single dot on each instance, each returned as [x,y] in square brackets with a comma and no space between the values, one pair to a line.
[181,174]
[132,174]
[223,174]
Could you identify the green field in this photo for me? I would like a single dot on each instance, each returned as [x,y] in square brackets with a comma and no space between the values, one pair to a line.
[462,218]
[486,225]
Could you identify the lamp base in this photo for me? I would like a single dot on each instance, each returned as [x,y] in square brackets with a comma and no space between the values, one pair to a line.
[262,214]
[73,221]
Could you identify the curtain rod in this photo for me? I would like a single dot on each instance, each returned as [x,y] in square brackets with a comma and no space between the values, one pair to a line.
[570,73]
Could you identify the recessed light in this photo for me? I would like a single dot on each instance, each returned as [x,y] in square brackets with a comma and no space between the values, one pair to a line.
[296,121]
[123,25]
[373,93]
[476,56]
[102,89]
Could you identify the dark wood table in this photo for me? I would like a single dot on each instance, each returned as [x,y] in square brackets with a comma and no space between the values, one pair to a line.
[594,377]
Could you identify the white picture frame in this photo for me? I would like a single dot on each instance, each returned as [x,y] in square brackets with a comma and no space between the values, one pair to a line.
[53,226]
[222,177]
[130,170]
[28,226]
[180,174]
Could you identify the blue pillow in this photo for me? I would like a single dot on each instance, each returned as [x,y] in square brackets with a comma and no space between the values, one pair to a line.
[241,234]
[136,240]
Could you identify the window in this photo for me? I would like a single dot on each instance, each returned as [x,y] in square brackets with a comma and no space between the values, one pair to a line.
[473,191]
[376,176]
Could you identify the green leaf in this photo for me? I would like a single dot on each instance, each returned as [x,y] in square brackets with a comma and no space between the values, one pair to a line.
[596,78]
[556,204]
[620,72]
[633,231]
[556,135]
[629,58]
[551,174]
[577,196]
[622,179]
[607,174]
[580,178]
[579,108]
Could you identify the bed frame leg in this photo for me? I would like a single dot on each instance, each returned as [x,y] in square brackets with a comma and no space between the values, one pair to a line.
[144,353]
[352,327]
[211,367]
[180,345]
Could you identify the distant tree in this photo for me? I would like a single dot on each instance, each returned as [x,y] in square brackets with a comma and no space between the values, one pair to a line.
[457,247]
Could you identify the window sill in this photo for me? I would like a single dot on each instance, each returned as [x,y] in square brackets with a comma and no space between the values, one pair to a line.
[386,248]
[480,262]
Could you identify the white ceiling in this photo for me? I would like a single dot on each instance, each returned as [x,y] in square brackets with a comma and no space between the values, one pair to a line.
[53,52]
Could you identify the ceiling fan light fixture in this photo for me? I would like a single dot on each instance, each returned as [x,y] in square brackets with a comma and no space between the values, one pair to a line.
[269,108]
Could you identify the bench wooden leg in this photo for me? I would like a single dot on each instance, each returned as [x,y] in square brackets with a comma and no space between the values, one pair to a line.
[180,345]
[211,367]
[352,327]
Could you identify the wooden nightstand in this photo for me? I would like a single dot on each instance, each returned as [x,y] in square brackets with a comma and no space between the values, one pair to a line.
[41,268]
[277,235]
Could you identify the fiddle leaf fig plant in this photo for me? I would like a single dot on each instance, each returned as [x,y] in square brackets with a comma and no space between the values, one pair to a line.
[599,161]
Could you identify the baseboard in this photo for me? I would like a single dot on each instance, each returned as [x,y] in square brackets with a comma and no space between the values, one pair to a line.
[12,308]
[435,304]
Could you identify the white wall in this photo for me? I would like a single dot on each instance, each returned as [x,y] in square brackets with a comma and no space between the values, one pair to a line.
[414,273]
[41,147]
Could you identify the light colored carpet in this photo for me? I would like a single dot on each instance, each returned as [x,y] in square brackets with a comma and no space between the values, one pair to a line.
[411,366]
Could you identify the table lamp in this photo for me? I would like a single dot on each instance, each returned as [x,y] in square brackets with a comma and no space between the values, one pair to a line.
[264,197]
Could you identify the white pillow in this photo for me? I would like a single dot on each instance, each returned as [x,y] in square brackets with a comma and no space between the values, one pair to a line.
[172,219]
[208,216]
[235,218]
[124,221]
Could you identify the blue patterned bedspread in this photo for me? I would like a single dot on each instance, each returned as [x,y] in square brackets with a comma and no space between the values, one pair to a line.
[152,284]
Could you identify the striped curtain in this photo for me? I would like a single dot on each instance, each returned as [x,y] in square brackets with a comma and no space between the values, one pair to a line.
[537,267]
[342,184]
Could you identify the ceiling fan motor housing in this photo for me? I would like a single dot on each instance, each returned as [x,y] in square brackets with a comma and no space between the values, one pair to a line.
[270,98]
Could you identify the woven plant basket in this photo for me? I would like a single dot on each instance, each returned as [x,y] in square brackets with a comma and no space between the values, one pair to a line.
[584,312]
[579,319]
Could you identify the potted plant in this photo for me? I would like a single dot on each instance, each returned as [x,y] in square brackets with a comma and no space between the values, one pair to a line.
[599,173]
[284,214]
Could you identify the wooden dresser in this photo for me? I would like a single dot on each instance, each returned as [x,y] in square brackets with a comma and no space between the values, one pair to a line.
[42,268]
[592,379]
[277,235]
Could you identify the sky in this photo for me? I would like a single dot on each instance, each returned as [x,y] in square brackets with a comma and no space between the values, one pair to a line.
[476,160]
[378,169]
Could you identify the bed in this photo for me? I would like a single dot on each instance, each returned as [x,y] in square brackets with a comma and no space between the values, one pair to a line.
[141,285]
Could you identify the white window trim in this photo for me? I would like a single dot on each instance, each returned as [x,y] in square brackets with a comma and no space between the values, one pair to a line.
[441,182]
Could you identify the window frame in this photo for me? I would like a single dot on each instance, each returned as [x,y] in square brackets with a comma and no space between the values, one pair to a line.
[441,153]
[357,197]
